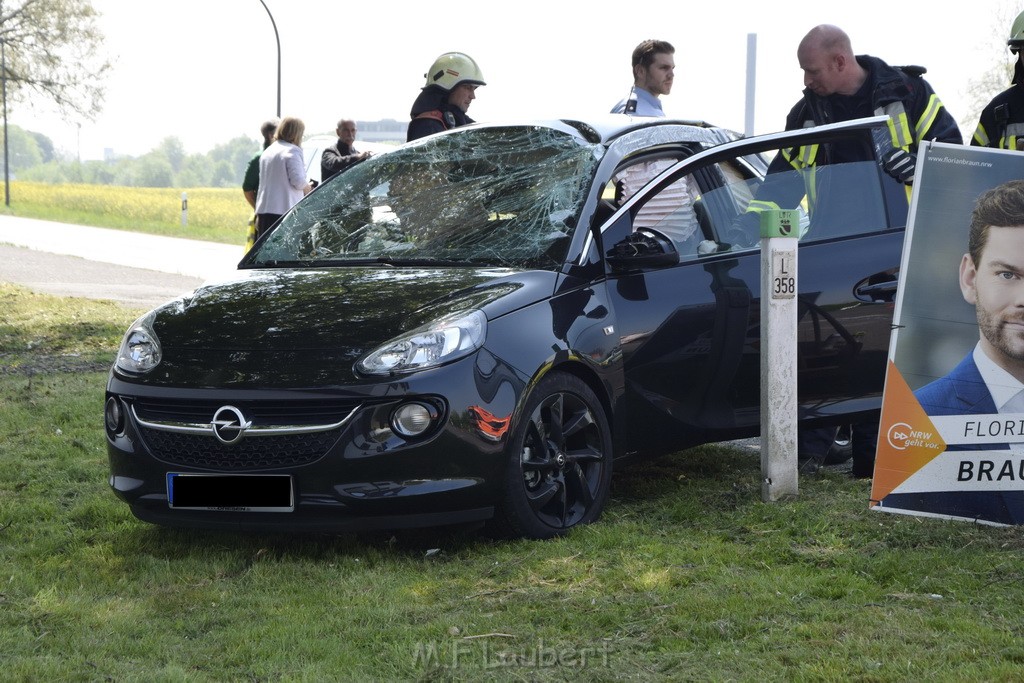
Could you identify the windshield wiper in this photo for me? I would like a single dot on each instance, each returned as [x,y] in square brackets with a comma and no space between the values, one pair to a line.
[280,263]
[386,261]
[392,262]
[365,261]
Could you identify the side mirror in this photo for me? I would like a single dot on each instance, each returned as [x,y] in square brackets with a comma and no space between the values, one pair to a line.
[645,248]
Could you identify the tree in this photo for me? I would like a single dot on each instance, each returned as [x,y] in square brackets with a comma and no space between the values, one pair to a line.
[22,149]
[149,170]
[172,150]
[223,175]
[989,83]
[52,49]
[195,172]
[45,146]
[236,153]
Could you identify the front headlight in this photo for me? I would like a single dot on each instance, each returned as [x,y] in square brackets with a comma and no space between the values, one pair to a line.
[428,346]
[140,348]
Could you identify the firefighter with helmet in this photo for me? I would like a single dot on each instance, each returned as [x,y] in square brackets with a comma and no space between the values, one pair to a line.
[1002,120]
[442,103]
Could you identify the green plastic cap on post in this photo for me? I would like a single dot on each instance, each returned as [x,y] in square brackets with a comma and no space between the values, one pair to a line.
[780,223]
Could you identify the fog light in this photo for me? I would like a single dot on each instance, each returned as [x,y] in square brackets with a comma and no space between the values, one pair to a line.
[114,416]
[412,419]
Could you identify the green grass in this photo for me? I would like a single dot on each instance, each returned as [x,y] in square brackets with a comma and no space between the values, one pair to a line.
[688,576]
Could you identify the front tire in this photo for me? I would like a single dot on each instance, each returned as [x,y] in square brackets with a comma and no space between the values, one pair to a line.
[559,461]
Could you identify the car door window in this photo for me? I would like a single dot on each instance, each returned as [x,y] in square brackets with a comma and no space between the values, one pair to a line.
[843,200]
[832,201]
[723,192]
[720,208]
[669,210]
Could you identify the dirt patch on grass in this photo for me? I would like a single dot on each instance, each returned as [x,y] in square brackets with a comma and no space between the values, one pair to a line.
[50,365]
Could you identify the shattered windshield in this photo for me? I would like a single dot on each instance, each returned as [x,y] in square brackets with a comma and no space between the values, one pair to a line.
[506,196]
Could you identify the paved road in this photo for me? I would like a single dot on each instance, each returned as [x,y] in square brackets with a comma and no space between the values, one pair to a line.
[63,275]
[137,270]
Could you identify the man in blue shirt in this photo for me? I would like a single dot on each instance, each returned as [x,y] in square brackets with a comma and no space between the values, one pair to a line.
[653,71]
[990,379]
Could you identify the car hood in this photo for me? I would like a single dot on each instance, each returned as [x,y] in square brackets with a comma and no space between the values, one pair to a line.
[286,326]
[320,309]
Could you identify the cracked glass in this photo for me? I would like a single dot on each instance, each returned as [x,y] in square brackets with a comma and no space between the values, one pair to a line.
[496,196]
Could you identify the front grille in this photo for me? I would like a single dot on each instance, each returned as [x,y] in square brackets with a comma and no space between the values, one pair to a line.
[255,451]
[265,452]
[260,412]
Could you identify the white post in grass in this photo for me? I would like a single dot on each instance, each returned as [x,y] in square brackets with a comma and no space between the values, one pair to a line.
[779,238]
[184,208]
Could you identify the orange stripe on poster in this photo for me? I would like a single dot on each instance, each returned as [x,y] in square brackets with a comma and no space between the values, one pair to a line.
[907,439]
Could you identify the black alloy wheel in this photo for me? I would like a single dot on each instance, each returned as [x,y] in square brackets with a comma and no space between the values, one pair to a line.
[559,461]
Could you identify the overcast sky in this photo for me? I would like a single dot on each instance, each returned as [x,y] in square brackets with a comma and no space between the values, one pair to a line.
[205,71]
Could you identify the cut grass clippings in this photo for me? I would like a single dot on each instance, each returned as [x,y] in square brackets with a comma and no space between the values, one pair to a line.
[688,575]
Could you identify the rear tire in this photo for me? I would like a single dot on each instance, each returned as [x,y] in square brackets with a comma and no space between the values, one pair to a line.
[558,463]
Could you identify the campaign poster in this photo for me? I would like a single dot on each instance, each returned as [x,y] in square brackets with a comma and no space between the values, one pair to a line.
[951,440]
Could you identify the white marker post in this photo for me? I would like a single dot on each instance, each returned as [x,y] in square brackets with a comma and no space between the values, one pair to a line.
[779,238]
[184,208]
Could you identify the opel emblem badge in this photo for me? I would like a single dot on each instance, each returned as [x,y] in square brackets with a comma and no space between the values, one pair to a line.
[229,424]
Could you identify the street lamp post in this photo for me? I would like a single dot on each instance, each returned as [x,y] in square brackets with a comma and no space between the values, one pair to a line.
[3,87]
[278,39]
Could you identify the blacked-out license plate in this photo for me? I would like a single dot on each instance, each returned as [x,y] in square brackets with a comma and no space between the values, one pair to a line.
[230,492]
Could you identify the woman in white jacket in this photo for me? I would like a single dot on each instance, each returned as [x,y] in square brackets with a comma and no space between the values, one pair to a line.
[282,175]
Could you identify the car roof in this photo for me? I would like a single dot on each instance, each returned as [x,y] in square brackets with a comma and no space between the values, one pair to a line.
[612,126]
[606,128]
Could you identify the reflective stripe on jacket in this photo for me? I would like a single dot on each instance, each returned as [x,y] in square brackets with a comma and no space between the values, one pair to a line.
[1001,125]
[915,112]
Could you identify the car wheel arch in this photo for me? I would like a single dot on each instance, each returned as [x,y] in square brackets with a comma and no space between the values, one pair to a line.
[558,457]
[580,371]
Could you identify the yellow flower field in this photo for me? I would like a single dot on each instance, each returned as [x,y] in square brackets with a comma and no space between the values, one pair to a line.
[217,214]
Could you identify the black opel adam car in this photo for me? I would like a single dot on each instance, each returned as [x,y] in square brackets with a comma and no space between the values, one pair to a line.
[479,325]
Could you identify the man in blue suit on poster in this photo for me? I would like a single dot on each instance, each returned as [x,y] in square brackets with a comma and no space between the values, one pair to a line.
[990,379]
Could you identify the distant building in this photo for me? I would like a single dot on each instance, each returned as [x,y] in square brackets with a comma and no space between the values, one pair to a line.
[385,130]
